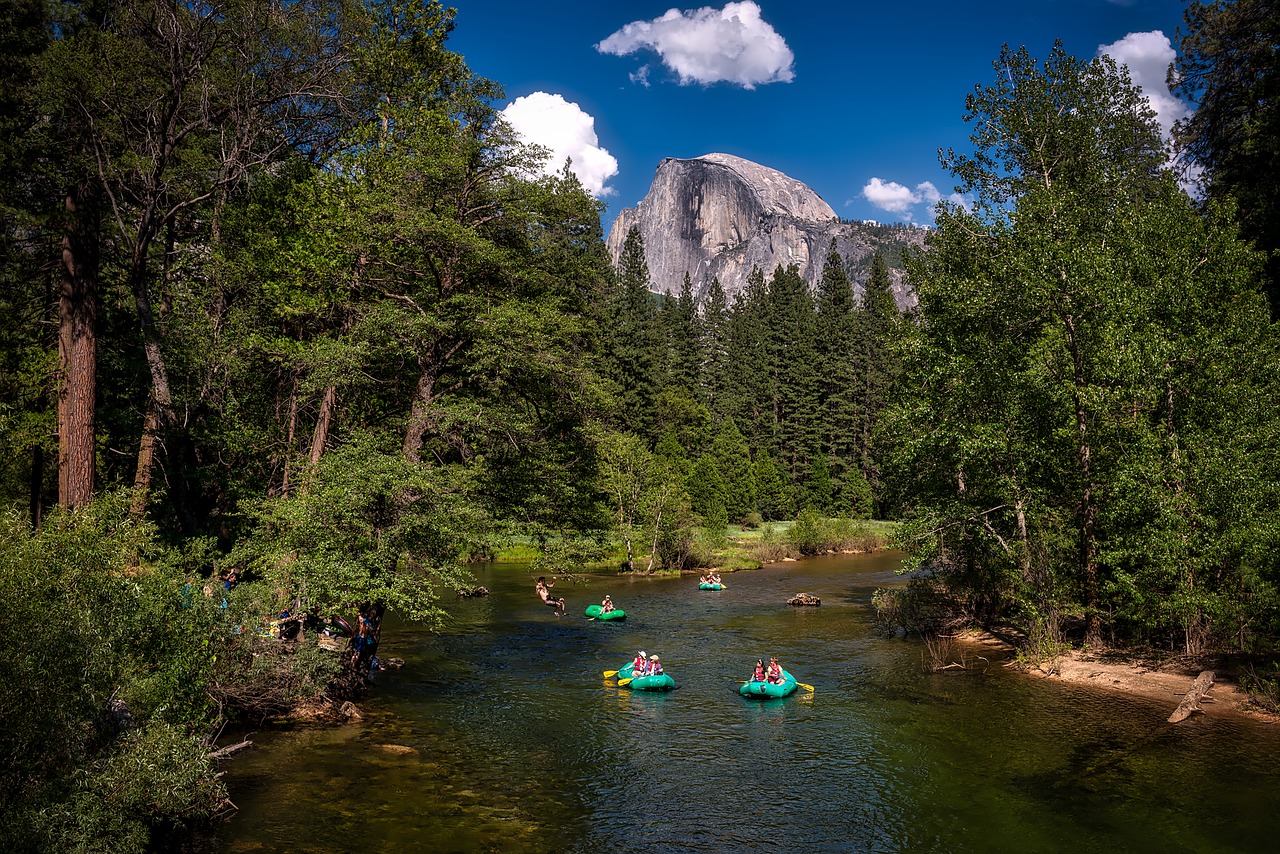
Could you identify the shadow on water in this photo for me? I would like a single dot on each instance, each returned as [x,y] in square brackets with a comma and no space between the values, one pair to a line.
[501,734]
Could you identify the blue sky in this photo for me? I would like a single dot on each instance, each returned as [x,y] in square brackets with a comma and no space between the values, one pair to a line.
[853,99]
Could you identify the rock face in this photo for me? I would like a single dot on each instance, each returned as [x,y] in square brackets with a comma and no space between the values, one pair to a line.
[719,216]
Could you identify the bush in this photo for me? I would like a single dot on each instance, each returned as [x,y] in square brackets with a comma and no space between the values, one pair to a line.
[106,748]
[772,547]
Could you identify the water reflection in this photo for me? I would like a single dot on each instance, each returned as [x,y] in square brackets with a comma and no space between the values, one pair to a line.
[501,734]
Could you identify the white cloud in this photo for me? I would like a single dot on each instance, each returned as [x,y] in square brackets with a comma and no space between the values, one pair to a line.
[1147,56]
[896,198]
[562,126]
[709,45]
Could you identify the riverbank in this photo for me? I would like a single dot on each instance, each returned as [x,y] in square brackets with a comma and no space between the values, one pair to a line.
[1151,674]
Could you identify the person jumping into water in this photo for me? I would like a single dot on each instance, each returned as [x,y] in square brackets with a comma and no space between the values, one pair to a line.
[543,589]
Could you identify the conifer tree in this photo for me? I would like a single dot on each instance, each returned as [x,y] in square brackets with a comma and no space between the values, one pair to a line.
[713,349]
[733,459]
[681,332]
[705,487]
[818,493]
[791,370]
[632,340]
[876,362]
[748,397]
[774,497]
[838,347]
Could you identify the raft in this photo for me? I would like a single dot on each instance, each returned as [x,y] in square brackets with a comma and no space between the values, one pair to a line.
[705,586]
[764,690]
[597,612]
[659,682]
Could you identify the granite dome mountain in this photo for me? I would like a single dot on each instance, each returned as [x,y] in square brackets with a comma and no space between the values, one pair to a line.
[720,216]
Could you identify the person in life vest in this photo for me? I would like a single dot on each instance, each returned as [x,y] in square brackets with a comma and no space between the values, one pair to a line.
[775,671]
[713,577]
[640,665]
[758,675]
[606,605]
[655,666]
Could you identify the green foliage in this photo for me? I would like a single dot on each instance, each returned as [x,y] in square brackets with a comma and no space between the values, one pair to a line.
[1092,349]
[104,740]
[773,495]
[706,489]
[1227,66]
[369,527]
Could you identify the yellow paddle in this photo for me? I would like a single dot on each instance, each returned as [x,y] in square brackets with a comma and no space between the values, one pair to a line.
[609,673]
[623,681]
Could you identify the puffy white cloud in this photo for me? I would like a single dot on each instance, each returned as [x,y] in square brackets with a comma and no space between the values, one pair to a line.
[564,128]
[708,45]
[896,198]
[900,199]
[1147,56]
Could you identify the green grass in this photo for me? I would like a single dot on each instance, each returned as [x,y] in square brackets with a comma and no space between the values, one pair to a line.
[740,548]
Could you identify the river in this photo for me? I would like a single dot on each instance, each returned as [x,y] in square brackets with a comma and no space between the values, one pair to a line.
[500,734]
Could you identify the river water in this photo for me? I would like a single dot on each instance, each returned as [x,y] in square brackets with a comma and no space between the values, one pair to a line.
[500,734]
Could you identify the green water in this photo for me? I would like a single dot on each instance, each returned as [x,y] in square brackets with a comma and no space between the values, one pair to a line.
[501,735]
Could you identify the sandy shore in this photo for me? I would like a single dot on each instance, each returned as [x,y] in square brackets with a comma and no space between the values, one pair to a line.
[1165,678]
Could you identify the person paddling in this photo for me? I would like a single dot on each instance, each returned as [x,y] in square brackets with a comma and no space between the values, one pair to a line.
[775,671]
[640,665]
[655,666]
[543,589]
[607,605]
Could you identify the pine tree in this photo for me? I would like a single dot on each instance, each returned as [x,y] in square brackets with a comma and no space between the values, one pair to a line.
[713,348]
[791,371]
[838,346]
[877,364]
[681,332]
[818,494]
[733,459]
[705,486]
[632,340]
[774,496]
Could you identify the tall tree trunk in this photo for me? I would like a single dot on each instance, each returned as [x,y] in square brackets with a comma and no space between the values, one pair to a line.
[146,461]
[320,437]
[420,415]
[37,487]
[77,349]
[1088,501]
[159,415]
[290,434]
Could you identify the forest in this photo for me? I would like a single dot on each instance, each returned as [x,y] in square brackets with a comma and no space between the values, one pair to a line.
[285,299]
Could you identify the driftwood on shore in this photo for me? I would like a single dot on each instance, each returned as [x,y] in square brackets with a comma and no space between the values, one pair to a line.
[1191,700]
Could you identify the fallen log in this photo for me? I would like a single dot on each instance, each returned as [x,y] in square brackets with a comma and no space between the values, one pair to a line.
[1191,700]
[224,752]
[804,599]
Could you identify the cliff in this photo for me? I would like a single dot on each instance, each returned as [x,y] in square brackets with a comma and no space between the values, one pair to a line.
[721,216]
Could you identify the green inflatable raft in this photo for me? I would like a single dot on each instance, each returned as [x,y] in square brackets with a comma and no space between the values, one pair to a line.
[705,586]
[657,682]
[765,690]
[598,612]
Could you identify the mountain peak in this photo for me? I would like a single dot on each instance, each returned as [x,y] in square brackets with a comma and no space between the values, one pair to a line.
[721,216]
